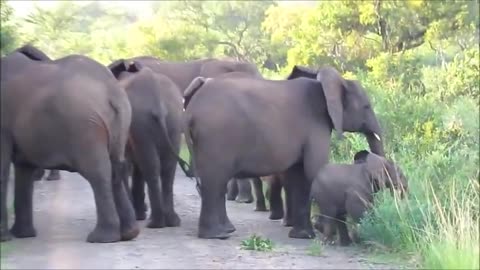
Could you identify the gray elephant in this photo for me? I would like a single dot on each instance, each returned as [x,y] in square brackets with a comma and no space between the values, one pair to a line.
[250,127]
[276,182]
[66,114]
[154,140]
[347,189]
[11,70]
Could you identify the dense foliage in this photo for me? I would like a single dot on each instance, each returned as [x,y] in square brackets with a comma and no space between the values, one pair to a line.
[418,59]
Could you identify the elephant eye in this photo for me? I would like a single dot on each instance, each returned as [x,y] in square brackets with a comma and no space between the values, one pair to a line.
[366,106]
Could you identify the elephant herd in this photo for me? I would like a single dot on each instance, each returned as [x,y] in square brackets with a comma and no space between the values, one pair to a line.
[120,126]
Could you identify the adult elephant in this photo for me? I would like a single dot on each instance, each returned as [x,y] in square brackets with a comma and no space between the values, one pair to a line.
[12,70]
[66,114]
[276,182]
[250,127]
[154,141]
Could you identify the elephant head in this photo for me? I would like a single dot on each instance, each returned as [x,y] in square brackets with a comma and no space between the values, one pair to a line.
[120,66]
[383,173]
[348,105]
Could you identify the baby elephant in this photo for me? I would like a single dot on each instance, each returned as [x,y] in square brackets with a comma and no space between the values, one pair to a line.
[341,189]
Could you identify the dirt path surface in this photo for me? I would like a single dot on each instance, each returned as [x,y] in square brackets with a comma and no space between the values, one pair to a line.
[64,213]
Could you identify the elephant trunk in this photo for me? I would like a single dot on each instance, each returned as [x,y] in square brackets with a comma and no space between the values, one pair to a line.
[375,143]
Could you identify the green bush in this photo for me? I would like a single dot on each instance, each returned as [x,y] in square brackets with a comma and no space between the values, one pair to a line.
[434,137]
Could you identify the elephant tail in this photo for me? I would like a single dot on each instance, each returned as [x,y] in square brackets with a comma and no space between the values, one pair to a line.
[119,127]
[189,139]
[192,88]
[161,118]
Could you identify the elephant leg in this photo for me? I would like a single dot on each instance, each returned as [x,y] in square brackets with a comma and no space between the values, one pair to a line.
[5,159]
[54,175]
[97,169]
[232,189]
[138,194]
[213,216]
[244,191]
[342,230]
[258,187]
[152,176]
[128,225]
[226,223]
[38,174]
[329,230]
[275,199]
[288,218]
[169,166]
[300,186]
[23,202]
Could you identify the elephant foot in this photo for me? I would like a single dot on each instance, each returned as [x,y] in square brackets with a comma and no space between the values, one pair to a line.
[54,175]
[247,199]
[38,174]
[100,235]
[229,228]
[276,215]
[130,232]
[301,233]
[156,223]
[261,208]
[172,220]
[20,231]
[287,222]
[213,234]
[5,236]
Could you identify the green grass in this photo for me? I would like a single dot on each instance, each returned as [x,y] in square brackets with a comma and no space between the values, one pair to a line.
[257,243]
[316,248]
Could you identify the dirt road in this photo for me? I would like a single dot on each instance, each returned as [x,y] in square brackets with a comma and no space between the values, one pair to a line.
[64,214]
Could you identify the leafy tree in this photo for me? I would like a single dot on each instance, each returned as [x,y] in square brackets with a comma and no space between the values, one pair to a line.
[230,28]
[8,40]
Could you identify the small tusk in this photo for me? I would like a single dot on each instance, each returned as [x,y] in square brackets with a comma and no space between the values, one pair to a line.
[183,100]
[376,136]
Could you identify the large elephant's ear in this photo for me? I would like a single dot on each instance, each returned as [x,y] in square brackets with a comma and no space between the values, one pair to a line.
[192,88]
[334,90]
[117,67]
[299,71]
